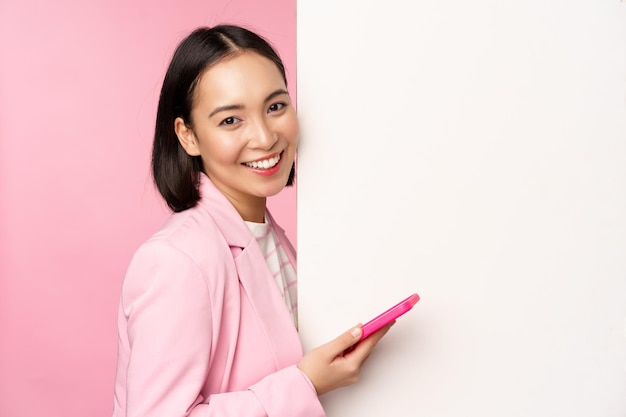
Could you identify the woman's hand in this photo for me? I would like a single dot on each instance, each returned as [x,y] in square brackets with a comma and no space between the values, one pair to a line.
[338,363]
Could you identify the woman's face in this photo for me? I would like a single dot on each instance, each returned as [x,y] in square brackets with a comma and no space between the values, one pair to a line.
[244,127]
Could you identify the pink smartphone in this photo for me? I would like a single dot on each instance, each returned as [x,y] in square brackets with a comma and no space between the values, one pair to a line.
[389,315]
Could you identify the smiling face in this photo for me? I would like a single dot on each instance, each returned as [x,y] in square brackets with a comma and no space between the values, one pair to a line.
[245,129]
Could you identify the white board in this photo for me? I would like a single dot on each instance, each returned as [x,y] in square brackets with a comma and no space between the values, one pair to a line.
[475,153]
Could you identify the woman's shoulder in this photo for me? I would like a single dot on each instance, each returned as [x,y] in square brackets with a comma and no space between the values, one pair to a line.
[188,252]
[191,234]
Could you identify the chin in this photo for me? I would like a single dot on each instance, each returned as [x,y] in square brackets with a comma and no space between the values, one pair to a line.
[270,190]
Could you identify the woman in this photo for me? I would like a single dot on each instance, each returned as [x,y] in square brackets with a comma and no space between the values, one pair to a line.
[207,319]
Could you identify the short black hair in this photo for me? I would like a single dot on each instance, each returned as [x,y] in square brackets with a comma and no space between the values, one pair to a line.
[177,174]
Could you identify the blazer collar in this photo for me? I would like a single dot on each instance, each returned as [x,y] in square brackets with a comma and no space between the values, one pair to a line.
[224,213]
[228,218]
[257,281]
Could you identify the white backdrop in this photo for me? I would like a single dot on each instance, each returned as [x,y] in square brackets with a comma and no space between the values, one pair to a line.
[475,153]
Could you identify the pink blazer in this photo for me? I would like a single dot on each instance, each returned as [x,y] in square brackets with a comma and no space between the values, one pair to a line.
[203,329]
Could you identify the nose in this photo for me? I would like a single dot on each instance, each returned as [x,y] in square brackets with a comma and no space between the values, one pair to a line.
[262,135]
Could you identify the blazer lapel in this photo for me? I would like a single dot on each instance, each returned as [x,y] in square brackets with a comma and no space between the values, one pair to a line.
[268,305]
[254,275]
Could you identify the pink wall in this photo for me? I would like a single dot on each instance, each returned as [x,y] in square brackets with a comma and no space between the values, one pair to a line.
[79,83]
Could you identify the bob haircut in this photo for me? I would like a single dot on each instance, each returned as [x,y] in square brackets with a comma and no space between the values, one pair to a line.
[177,174]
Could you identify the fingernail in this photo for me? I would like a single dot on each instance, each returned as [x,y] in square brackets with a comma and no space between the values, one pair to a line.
[356,332]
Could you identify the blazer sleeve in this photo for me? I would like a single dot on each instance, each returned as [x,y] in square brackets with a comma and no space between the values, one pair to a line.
[169,324]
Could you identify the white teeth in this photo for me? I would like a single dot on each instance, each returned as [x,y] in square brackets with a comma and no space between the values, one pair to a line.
[265,164]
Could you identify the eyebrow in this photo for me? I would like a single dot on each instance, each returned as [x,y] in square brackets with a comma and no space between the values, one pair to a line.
[230,107]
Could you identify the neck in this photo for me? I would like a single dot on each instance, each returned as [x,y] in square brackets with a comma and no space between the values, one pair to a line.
[252,213]
[251,209]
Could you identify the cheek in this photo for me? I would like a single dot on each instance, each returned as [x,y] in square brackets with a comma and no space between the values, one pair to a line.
[220,149]
[291,130]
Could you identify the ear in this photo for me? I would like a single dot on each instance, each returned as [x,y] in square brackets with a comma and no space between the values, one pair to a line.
[186,137]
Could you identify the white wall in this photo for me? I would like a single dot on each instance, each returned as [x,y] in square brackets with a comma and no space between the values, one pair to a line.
[473,152]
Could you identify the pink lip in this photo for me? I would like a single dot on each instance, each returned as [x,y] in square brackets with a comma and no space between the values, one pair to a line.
[266,172]
[266,157]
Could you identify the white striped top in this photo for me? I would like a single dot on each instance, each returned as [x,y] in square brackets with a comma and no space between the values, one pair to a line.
[278,264]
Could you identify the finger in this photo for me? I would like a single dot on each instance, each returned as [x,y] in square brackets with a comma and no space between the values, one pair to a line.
[342,343]
[362,350]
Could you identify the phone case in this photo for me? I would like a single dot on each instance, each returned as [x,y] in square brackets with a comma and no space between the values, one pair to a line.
[390,315]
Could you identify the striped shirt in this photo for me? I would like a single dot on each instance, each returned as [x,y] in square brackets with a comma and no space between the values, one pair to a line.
[278,264]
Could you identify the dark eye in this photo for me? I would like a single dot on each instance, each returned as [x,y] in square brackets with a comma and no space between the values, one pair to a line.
[276,107]
[229,121]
